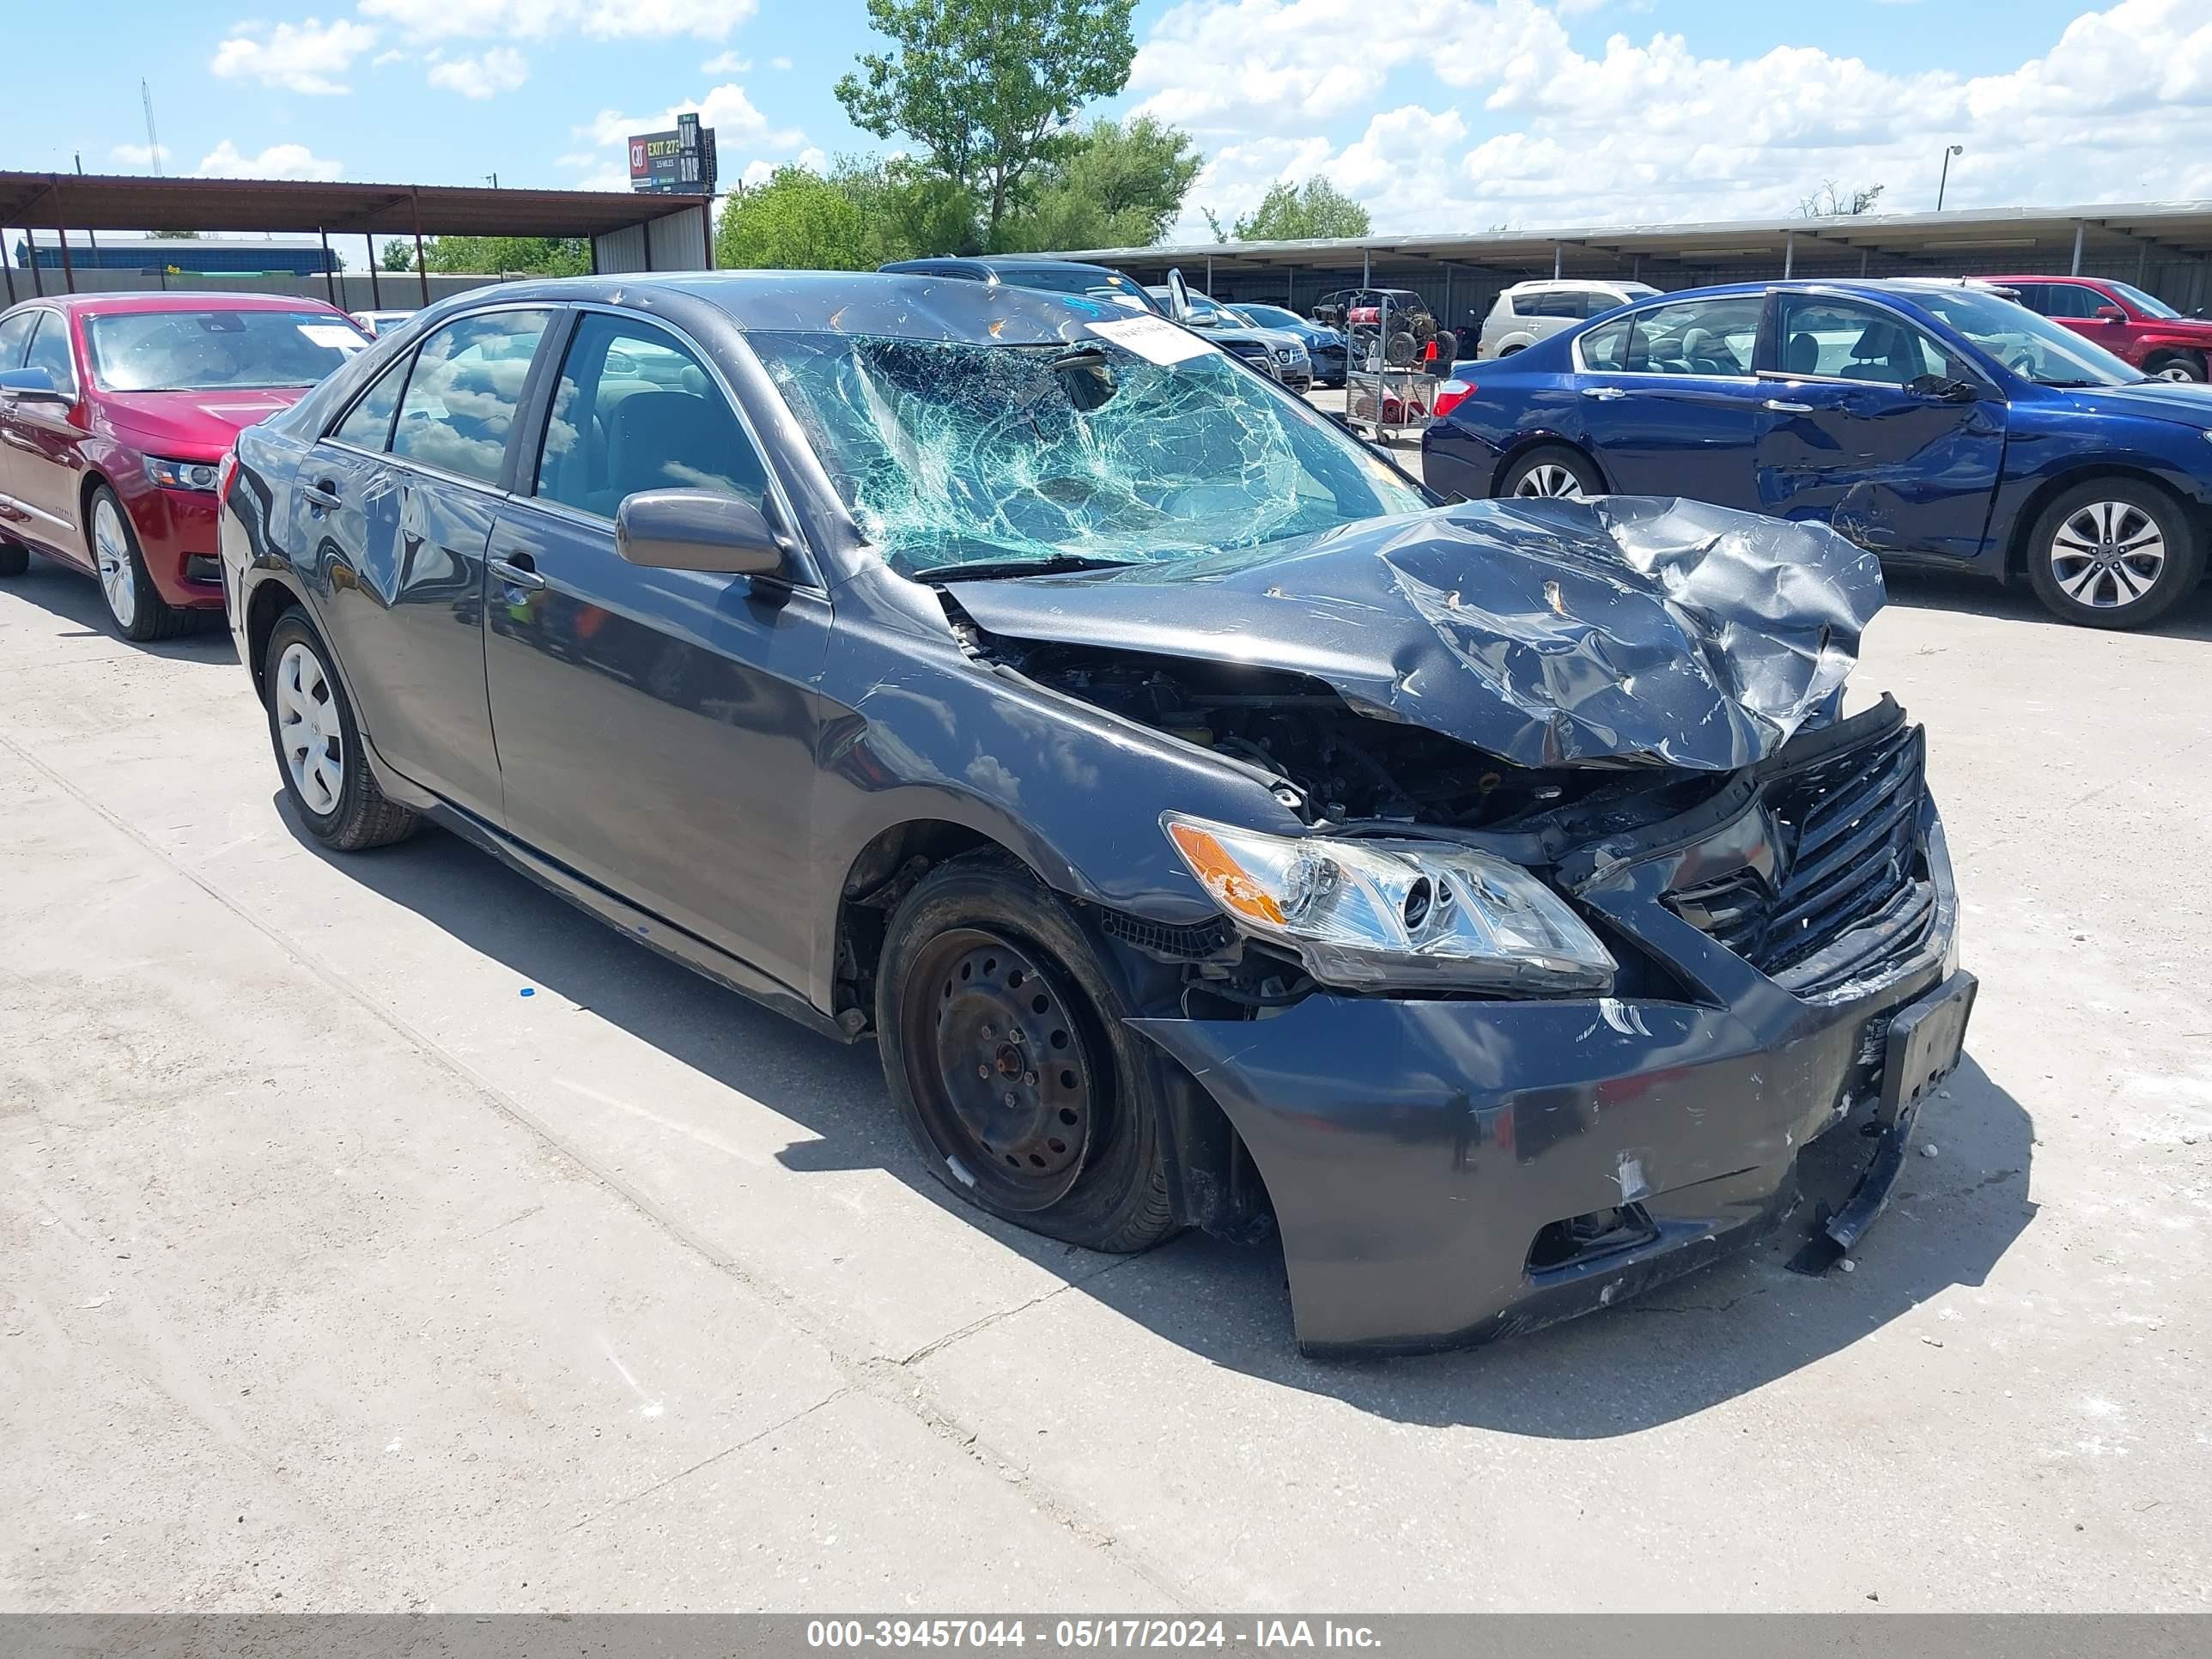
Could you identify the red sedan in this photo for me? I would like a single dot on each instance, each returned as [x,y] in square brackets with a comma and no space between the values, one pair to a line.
[2127,322]
[115,413]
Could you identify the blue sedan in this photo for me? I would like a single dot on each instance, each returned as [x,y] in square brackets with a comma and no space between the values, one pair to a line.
[1935,423]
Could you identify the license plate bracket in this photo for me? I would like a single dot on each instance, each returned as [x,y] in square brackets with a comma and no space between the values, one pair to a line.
[1925,1041]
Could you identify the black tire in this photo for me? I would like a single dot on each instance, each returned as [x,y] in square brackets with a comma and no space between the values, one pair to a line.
[15,559]
[151,616]
[2177,366]
[359,815]
[1533,472]
[973,933]
[2115,593]
[1403,350]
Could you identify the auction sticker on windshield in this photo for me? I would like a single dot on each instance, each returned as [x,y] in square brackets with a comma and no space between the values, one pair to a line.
[335,335]
[1153,338]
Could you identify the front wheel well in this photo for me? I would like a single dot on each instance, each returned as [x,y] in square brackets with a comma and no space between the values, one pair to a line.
[1507,461]
[2030,510]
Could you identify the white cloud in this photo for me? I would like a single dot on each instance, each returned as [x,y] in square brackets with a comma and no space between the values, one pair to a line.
[278,161]
[307,57]
[727,63]
[139,156]
[537,20]
[1494,114]
[779,63]
[501,70]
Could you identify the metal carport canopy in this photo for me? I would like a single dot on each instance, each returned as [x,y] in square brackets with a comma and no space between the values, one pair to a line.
[73,201]
[1975,235]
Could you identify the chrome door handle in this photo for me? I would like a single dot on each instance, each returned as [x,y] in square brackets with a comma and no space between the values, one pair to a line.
[517,575]
[1603,394]
[1782,408]
[322,496]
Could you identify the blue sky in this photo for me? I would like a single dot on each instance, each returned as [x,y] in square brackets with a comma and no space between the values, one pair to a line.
[1463,114]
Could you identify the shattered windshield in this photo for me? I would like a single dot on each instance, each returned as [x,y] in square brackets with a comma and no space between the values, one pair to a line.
[950,453]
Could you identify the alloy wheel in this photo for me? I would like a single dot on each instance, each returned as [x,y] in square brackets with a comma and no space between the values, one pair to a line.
[2107,555]
[2176,372]
[1548,478]
[110,551]
[998,1066]
[307,728]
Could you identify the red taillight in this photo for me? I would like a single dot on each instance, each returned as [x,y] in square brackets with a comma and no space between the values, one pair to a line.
[1451,394]
[226,475]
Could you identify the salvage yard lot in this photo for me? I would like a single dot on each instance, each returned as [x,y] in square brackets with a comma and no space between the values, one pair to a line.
[382,1233]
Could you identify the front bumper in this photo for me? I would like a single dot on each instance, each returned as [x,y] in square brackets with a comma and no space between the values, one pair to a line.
[1421,1155]
[177,539]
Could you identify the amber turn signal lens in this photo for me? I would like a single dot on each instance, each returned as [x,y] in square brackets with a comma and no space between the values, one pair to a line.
[1222,876]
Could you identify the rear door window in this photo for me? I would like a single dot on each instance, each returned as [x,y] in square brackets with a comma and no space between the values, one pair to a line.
[1714,337]
[466,391]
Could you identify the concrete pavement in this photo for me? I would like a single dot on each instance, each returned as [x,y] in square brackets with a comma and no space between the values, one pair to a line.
[341,1274]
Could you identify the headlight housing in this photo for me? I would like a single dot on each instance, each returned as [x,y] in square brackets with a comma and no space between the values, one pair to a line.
[183,475]
[1385,914]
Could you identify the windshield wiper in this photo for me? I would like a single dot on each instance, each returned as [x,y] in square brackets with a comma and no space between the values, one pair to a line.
[987,569]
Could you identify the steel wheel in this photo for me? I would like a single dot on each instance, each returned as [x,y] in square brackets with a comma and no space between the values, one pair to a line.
[2107,555]
[996,1058]
[308,730]
[1548,478]
[111,551]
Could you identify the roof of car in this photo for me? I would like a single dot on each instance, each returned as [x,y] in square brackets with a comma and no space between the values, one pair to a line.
[988,263]
[1580,284]
[183,300]
[896,305]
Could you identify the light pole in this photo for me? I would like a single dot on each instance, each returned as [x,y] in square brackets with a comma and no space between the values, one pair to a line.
[1955,149]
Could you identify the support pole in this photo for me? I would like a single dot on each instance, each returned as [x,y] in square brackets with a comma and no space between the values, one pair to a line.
[329,277]
[7,266]
[68,265]
[707,230]
[1366,269]
[2143,263]
[1448,310]
[422,266]
[376,296]
[1865,255]
[2078,230]
[1789,254]
[38,276]
[1559,260]
[1209,275]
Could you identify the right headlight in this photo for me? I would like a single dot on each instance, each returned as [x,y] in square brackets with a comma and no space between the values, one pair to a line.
[1379,915]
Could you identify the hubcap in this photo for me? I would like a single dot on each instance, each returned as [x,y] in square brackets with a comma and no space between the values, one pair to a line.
[2175,372]
[1547,478]
[110,551]
[307,731]
[2108,555]
[999,1068]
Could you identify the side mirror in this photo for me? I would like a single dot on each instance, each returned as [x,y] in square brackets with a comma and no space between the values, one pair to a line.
[32,386]
[1178,298]
[1942,389]
[698,530]
[2109,314]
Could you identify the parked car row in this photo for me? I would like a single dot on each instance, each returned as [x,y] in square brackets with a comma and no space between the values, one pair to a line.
[1137,756]
[1934,422]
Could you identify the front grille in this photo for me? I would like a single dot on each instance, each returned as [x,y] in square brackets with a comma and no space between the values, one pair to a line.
[1855,895]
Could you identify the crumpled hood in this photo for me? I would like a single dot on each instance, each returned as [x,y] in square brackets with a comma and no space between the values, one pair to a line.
[1545,632]
[190,421]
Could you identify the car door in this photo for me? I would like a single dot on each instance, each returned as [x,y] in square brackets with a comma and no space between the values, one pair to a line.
[45,465]
[1669,402]
[14,340]
[656,731]
[399,501]
[1852,432]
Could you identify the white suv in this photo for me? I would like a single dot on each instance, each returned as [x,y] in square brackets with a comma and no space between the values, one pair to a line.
[1527,312]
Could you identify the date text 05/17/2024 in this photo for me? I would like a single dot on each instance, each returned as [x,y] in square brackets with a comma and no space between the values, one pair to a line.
[1077,1634]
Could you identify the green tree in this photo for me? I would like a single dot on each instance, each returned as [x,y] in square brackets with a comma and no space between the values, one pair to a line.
[989,86]
[398,255]
[484,255]
[1291,212]
[1118,186]
[797,220]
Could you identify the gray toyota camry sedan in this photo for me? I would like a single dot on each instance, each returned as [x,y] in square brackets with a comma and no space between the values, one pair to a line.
[1209,827]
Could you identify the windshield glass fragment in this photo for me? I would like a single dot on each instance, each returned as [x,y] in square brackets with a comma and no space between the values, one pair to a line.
[950,452]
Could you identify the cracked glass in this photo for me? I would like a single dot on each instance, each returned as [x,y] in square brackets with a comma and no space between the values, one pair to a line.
[950,452]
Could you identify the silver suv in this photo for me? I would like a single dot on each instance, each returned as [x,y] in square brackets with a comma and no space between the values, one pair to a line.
[1527,312]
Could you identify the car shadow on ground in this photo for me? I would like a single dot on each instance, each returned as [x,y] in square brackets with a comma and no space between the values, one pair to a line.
[1936,590]
[1681,1349]
[73,598]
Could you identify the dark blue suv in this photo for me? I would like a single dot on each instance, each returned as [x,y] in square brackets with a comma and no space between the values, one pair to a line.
[1936,423]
